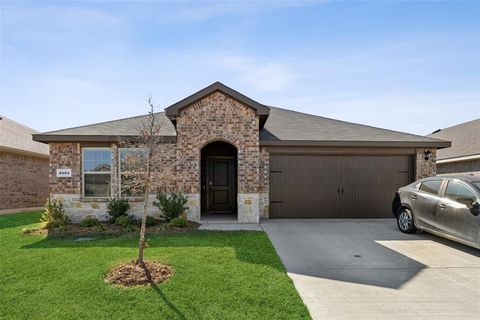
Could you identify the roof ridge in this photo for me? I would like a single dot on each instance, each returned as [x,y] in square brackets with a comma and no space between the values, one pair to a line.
[103,122]
[356,124]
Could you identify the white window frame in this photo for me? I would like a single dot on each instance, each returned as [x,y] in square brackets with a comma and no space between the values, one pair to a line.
[120,171]
[97,172]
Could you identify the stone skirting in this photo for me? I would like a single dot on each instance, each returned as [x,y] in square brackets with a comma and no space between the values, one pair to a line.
[248,207]
[76,208]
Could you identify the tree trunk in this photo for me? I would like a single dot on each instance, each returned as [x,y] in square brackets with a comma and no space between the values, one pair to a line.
[141,243]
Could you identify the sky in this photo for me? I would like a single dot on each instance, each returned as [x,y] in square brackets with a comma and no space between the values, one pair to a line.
[402,65]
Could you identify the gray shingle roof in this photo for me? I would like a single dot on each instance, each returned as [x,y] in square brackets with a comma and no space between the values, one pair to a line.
[282,126]
[287,125]
[278,126]
[465,138]
[121,127]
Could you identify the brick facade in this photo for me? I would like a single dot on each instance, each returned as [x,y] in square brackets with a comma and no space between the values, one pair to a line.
[65,155]
[23,180]
[218,117]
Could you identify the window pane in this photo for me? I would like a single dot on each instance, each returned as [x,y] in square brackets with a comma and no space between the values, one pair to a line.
[431,186]
[133,160]
[130,187]
[88,155]
[457,189]
[97,185]
[97,160]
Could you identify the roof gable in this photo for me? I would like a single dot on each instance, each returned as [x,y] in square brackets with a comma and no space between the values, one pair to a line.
[261,110]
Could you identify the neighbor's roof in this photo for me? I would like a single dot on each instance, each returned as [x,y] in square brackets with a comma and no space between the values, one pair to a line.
[278,127]
[17,138]
[465,138]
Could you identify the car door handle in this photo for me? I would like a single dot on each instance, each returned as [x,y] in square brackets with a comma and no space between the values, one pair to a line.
[414,197]
[443,206]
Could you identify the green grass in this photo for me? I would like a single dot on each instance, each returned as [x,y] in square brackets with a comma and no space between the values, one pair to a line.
[218,275]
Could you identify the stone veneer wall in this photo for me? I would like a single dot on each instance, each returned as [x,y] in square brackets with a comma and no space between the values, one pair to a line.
[23,180]
[425,168]
[218,117]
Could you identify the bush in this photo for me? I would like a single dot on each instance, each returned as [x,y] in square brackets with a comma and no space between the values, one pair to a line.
[151,221]
[117,207]
[54,214]
[100,228]
[125,221]
[56,224]
[89,221]
[178,223]
[171,206]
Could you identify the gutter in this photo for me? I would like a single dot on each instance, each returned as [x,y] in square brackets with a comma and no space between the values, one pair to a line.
[334,143]
[46,138]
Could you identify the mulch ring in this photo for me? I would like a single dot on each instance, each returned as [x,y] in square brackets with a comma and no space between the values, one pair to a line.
[132,274]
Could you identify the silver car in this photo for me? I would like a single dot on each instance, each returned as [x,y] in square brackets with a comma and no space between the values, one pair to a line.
[448,206]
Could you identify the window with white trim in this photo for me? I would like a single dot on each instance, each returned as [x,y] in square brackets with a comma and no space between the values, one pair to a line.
[97,172]
[132,168]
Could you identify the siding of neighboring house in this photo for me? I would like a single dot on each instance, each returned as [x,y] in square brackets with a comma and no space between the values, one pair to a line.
[24,180]
[23,167]
[463,157]
[461,167]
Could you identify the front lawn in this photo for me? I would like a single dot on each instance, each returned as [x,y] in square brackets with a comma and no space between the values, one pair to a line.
[218,275]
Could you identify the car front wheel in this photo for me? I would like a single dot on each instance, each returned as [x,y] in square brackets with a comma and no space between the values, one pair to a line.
[405,221]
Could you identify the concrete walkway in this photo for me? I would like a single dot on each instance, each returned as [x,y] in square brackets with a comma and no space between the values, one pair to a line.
[367,269]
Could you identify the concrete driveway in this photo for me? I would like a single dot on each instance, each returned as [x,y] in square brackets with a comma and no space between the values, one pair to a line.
[367,269]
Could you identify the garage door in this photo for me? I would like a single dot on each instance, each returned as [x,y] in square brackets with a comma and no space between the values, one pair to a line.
[336,186]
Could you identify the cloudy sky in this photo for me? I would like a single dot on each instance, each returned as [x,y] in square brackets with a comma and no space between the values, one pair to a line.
[405,65]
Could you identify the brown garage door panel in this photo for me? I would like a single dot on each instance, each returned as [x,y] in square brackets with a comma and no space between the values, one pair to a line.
[335,186]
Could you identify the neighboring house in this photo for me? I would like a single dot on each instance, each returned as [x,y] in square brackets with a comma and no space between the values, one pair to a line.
[464,155]
[23,167]
[233,155]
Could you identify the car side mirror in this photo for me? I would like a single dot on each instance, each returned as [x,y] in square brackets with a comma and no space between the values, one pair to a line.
[468,201]
[475,208]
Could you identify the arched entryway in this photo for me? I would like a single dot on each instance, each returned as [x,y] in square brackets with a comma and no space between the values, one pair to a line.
[219,180]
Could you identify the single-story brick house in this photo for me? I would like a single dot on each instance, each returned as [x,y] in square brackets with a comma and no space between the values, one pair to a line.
[235,156]
[23,167]
[463,157]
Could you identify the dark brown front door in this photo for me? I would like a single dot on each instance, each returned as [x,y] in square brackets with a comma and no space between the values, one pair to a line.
[221,185]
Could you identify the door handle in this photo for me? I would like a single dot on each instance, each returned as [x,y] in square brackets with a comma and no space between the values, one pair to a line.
[342,190]
[338,190]
[443,206]
[414,197]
